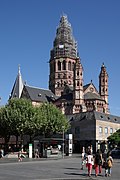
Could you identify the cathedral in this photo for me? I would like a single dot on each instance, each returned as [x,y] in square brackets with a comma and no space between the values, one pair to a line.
[85,106]
[66,76]
[66,81]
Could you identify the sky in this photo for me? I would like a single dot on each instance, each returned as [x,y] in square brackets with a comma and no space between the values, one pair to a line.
[28,29]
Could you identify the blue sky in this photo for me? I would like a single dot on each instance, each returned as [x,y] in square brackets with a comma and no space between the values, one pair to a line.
[27,32]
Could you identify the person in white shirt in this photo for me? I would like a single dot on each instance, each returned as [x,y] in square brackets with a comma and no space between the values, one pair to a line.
[83,158]
[89,163]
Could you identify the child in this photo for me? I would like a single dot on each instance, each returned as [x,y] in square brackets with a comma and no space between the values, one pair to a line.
[89,162]
[83,160]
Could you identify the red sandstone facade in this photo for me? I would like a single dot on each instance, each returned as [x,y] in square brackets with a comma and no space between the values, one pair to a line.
[66,76]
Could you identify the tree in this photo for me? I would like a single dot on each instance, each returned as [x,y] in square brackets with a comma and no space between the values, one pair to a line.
[16,118]
[20,117]
[21,113]
[53,121]
[5,124]
[114,139]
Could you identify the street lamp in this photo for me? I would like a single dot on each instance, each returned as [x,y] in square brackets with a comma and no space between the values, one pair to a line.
[63,141]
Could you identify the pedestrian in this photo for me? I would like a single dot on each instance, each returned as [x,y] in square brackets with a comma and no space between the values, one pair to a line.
[98,161]
[36,153]
[83,158]
[105,162]
[89,162]
[91,149]
[1,153]
[19,156]
[109,164]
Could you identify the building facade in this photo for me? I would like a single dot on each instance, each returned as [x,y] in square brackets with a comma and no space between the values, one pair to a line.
[92,128]
[86,108]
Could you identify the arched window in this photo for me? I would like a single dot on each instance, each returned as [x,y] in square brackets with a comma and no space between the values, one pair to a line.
[64,65]
[77,83]
[64,83]
[58,84]
[69,66]
[106,130]
[73,66]
[100,129]
[59,65]
[61,83]
[58,75]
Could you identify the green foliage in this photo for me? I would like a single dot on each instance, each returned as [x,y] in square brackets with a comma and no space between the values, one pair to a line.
[52,119]
[115,138]
[20,117]
[5,122]
[21,113]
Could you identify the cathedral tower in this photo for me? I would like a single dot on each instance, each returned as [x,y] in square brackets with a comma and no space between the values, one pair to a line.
[62,58]
[78,87]
[103,86]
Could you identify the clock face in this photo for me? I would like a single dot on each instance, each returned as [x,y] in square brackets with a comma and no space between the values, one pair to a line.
[61,46]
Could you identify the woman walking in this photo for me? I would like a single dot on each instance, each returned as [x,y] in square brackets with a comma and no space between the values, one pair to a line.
[98,161]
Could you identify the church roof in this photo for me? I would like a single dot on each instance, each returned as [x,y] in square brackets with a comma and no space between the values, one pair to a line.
[107,117]
[86,86]
[94,115]
[18,86]
[66,97]
[92,96]
[40,95]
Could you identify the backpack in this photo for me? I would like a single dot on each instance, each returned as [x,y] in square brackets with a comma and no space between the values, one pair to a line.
[109,163]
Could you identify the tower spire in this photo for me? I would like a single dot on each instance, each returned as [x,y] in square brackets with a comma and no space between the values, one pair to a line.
[63,57]
[18,68]
[18,85]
